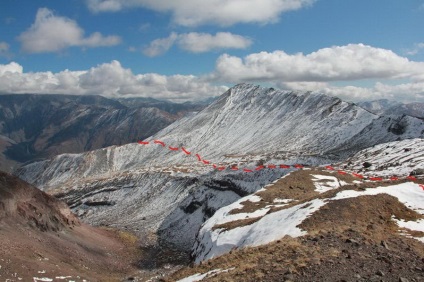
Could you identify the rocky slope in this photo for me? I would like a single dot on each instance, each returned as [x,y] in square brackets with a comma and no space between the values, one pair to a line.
[42,126]
[41,240]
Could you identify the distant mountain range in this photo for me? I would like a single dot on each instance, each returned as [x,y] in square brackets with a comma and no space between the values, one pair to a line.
[387,107]
[42,126]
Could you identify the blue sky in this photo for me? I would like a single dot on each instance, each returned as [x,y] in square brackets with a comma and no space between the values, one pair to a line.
[194,49]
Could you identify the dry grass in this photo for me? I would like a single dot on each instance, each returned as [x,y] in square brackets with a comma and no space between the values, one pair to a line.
[299,187]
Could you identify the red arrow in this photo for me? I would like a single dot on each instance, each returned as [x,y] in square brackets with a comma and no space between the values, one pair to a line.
[259,167]
[411,177]
[394,178]
[376,178]
[284,166]
[198,157]
[298,166]
[342,172]
[206,162]
[329,167]
[173,148]
[185,151]
[220,168]
[358,175]
[234,168]
[272,166]
[247,170]
[143,142]
[159,142]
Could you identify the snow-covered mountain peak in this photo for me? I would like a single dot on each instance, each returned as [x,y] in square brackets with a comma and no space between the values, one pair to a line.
[243,95]
[247,123]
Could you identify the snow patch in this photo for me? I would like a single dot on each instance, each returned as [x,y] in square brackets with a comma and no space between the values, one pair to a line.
[329,183]
[412,225]
[409,193]
[199,276]
[42,279]
[269,228]
[215,242]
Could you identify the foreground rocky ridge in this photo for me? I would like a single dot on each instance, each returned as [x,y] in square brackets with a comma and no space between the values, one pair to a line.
[372,236]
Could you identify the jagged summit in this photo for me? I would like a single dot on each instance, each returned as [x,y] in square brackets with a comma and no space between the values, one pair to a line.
[252,119]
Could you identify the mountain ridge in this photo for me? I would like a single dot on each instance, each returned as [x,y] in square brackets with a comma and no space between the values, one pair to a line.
[249,122]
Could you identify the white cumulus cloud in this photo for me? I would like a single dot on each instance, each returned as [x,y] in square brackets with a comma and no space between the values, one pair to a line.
[195,42]
[405,92]
[394,77]
[11,68]
[218,12]
[109,79]
[337,63]
[51,33]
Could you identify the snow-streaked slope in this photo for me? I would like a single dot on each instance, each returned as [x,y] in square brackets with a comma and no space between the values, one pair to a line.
[398,158]
[382,130]
[245,121]
[212,242]
[253,120]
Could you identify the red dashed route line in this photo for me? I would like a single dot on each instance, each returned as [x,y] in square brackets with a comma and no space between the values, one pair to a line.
[270,166]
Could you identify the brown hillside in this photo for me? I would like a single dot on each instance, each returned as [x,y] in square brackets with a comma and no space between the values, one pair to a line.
[41,238]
